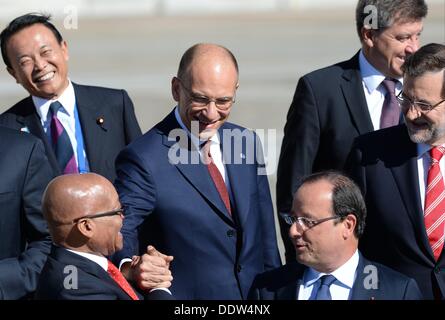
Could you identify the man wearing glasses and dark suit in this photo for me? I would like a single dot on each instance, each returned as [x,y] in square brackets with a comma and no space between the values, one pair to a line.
[193,192]
[327,219]
[400,171]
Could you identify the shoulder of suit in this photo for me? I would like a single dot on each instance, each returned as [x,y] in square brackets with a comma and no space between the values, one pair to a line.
[87,88]
[384,272]
[21,108]
[333,71]
[388,135]
[279,277]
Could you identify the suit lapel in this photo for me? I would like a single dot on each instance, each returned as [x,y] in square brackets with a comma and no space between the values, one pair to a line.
[358,291]
[352,89]
[64,256]
[30,119]
[89,112]
[406,178]
[191,168]
[237,174]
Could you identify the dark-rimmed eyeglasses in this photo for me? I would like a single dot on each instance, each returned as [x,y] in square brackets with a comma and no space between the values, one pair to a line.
[406,102]
[305,223]
[119,211]
[223,103]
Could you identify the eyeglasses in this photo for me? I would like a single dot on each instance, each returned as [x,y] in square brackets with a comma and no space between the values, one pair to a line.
[305,223]
[406,102]
[116,212]
[223,103]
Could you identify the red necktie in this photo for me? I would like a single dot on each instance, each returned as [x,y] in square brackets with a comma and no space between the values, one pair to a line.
[216,175]
[390,110]
[434,203]
[120,280]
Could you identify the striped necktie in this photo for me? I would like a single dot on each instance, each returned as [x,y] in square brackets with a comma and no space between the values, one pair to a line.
[434,213]
[61,142]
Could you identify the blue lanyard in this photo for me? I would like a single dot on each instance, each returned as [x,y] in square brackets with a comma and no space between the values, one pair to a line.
[82,162]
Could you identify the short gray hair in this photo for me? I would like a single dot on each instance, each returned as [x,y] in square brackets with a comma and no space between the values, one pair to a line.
[389,12]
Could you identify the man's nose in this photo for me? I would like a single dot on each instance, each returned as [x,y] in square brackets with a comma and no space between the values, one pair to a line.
[212,111]
[39,63]
[295,230]
[413,45]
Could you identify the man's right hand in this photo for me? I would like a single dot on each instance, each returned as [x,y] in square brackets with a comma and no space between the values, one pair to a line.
[149,271]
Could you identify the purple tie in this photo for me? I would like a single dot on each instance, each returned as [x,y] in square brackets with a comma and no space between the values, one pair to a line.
[391,111]
[61,142]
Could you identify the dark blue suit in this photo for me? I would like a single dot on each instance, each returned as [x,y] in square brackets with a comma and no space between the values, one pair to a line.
[284,283]
[24,237]
[177,208]
[328,111]
[384,164]
[92,281]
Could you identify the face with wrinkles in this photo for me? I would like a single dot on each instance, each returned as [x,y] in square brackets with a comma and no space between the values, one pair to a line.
[211,77]
[38,61]
[388,49]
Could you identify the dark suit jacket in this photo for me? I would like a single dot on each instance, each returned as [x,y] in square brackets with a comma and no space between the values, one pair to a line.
[69,276]
[384,164]
[285,283]
[102,143]
[177,208]
[24,237]
[328,111]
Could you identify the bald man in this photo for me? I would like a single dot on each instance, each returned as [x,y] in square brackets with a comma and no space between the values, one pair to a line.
[84,217]
[193,190]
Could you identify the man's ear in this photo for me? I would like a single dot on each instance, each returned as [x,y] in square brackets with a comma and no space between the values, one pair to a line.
[368,36]
[64,46]
[349,224]
[175,83]
[86,227]
[12,73]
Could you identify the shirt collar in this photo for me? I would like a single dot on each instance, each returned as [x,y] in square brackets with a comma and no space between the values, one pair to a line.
[423,148]
[67,99]
[371,76]
[345,274]
[101,261]
[195,140]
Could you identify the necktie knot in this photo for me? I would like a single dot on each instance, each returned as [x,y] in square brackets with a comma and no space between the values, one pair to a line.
[390,85]
[323,292]
[327,280]
[436,153]
[54,107]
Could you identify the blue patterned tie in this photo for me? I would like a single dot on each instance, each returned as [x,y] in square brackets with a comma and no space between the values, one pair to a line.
[61,142]
[323,292]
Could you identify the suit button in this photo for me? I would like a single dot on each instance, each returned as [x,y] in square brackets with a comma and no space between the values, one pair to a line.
[230,233]
[239,268]
[437,269]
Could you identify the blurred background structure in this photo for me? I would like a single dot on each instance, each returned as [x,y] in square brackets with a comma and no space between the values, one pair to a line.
[137,45]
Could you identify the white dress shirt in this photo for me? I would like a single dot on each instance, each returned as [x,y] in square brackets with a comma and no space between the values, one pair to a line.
[101,261]
[340,289]
[374,89]
[423,165]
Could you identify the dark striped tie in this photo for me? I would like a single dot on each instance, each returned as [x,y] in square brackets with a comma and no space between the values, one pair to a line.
[61,142]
